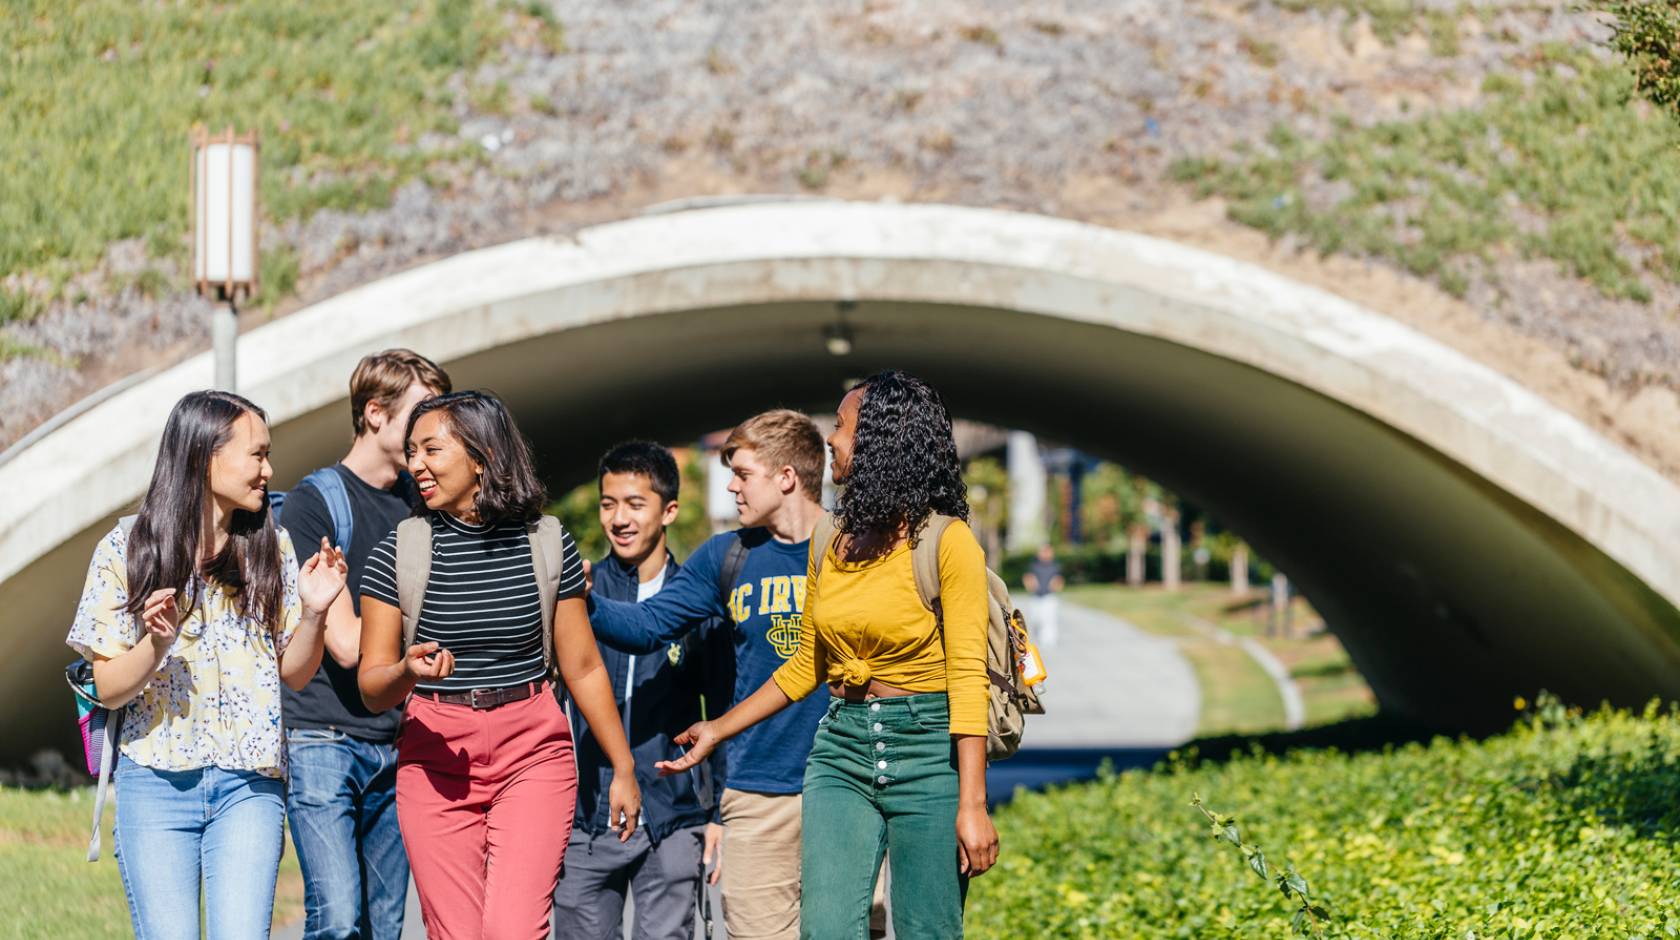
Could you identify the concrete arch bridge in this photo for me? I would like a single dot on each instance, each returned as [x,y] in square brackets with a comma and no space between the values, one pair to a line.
[1466,540]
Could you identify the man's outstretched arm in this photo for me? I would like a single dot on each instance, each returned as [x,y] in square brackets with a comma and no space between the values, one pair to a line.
[686,602]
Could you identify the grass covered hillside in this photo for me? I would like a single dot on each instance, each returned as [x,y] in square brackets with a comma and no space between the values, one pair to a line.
[1565,826]
[351,100]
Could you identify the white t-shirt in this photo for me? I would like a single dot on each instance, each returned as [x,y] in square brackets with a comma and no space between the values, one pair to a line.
[647,589]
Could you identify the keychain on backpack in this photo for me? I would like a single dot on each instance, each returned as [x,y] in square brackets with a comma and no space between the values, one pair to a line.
[1031,666]
[1028,664]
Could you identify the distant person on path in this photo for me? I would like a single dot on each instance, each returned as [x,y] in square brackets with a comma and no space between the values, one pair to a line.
[898,768]
[342,801]
[754,577]
[1044,580]
[659,695]
[194,613]
[486,784]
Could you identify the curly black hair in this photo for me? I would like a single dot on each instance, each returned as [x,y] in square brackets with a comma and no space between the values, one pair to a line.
[904,464]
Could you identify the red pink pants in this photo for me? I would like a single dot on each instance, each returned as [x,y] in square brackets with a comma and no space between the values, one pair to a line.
[485,800]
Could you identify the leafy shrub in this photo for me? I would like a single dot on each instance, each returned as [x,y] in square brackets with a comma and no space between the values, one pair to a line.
[1648,34]
[1097,564]
[1565,826]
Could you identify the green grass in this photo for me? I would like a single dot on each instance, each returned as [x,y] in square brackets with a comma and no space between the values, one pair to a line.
[1238,697]
[1562,162]
[49,889]
[1563,827]
[100,97]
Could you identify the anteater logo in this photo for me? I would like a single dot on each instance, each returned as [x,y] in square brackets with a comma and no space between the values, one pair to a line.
[784,635]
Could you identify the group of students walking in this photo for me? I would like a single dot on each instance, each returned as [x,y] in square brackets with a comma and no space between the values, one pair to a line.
[444,686]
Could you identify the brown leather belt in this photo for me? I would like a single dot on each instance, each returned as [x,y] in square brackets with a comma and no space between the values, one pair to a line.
[486,698]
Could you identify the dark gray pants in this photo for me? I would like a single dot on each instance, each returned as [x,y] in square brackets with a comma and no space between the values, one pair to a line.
[664,881]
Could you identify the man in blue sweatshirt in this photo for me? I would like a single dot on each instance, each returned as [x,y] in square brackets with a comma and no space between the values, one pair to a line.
[754,578]
[659,695]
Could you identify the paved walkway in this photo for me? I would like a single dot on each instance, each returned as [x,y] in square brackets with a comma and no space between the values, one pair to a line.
[1114,692]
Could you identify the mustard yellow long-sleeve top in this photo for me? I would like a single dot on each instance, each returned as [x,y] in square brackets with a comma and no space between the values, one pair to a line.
[865,621]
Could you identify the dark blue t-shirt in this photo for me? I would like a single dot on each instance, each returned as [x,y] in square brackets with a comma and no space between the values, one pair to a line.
[765,606]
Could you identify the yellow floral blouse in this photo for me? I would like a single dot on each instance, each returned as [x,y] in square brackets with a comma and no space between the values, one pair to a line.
[215,700]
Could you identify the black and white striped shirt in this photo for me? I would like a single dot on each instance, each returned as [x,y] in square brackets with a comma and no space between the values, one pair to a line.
[481,600]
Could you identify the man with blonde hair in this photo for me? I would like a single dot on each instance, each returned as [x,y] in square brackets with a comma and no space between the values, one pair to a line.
[754,578]
[342,798]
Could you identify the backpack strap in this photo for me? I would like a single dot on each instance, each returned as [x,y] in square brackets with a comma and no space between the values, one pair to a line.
[548,554]
[822,542]
[330,485]
[924,561]
[734,559]
[107,757]
[108,747]
[414,569]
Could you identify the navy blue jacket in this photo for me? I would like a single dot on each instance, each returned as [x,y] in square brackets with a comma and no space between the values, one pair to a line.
[765,608]
[658,695]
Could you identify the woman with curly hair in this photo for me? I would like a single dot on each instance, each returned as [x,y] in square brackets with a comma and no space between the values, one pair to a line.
[898,768]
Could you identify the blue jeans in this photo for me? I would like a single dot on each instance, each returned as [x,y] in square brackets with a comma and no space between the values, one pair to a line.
[343,810]
[176,827]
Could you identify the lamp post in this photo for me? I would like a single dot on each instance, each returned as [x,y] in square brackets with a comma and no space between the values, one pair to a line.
[224,183]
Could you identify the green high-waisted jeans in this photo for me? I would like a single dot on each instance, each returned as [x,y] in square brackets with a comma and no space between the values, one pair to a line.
[882,781]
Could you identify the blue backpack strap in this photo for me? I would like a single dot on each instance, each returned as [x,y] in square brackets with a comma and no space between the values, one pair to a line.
[330,485]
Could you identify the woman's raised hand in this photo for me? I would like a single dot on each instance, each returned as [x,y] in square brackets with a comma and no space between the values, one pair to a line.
[322,577]
[428,661]
[161,617]
[700,739]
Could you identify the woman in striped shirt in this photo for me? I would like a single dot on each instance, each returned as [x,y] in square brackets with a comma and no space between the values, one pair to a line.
[486,781]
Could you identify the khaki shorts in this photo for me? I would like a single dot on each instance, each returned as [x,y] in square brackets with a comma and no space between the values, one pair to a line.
[761,868]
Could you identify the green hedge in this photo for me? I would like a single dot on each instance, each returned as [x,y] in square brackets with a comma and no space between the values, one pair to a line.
[1092,564]
[1563,827]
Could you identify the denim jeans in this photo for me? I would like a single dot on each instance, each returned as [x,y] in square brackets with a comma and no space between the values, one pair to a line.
[175,828]
[882,781]
[343,811]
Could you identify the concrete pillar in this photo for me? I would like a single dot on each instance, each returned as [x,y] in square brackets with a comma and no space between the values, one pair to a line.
[1137,555]
[1169,550]
[1026,493]
[720,503]
[1239,570]
[1281,625]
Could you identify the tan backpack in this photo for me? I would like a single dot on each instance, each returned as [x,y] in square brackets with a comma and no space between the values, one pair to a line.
[414,569]
[1010,699]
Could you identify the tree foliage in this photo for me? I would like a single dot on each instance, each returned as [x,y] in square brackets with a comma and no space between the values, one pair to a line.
[1648,35]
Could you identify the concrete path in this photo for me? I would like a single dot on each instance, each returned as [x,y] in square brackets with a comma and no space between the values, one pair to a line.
[1114,692]
[1113,685]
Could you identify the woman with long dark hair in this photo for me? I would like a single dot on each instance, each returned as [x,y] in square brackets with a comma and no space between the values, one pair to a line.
[898,768]
[193,614]
[468,611]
